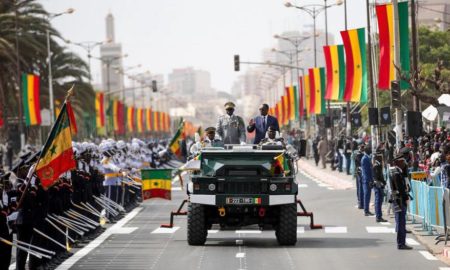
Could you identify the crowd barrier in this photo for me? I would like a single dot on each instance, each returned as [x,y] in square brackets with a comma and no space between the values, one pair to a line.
[428,205]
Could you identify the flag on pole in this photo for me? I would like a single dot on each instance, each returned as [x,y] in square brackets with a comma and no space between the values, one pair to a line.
[174,144]
[30,96]
[301,96]
[130,119]
[57,155]
[356,73]
[148,119]
[99,110]
[334,58]
[292,106]
[285,109]
[317,85]
[156,183]
[308,103]
[385,17]
[139,120]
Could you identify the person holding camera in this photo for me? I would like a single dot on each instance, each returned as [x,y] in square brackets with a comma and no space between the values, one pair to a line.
[378,185]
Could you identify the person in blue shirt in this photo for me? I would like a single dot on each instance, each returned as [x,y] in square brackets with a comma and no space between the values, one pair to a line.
[367,178]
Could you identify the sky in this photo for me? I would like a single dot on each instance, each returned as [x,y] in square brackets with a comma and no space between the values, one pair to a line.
[162,35]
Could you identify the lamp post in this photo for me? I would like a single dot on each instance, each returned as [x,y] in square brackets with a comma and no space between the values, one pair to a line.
[88,46]
[49,55]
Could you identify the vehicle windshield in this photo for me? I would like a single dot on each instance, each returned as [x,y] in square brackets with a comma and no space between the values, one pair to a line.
[237,165]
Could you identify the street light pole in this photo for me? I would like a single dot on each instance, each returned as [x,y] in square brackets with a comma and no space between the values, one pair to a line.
[49,60]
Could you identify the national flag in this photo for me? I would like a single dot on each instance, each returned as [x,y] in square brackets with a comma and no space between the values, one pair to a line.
[356,73]
[139,120]
[99,110]
[156,183]
[292,99]
[301,95]
[174,144]
[318,86]
[279,165]
[30,97]
[73,123]
[335,64]
[285,109]
[57,155]
[163,121]
[148,119]
[130,119]
[156,121]
[288,103]
[385,17]
[308,104]
[295,102]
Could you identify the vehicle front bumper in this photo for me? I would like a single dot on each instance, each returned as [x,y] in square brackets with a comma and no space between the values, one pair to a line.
[262,199]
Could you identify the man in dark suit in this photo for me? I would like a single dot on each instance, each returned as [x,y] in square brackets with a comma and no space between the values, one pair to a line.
[261,123]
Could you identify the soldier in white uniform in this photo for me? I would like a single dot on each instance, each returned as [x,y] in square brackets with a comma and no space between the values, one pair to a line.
[230,127]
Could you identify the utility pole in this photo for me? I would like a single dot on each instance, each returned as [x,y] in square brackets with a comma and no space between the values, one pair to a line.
[348,129]
[398,111]
[20,103]
[414,53]
[373,94]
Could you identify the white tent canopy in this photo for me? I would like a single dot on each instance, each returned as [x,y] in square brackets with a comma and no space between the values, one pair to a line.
[430,113]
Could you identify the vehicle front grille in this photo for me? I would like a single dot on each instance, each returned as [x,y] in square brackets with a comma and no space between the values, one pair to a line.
[242,187]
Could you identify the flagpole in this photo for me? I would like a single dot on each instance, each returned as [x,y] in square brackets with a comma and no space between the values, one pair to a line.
[373,96]
[398,111]
[348,128]
[33,168]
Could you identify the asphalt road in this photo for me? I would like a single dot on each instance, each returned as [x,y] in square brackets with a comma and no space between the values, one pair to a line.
[349,240]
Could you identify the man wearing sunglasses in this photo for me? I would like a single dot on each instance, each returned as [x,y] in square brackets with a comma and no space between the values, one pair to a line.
[230,127]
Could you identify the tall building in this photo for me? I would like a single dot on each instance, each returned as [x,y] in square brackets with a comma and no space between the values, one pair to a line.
[190,81]
[434,14]
[111,55]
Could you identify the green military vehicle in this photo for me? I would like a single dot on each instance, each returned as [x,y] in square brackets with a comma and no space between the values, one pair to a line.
[245,185]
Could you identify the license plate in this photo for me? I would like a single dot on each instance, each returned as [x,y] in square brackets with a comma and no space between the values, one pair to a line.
[237,200]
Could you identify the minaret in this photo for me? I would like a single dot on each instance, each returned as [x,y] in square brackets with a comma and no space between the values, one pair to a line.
[110,28]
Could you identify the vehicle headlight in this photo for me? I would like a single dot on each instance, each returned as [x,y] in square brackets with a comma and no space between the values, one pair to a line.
[273,187]
[212,187]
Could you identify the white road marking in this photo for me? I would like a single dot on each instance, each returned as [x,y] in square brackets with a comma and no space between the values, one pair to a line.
[300,229]
[335,229]
[213,231]
[302,185]
[97,241]
[239,242]
[176,189]
[412,242]
[240,255]
[385,223]
[379,229]
[248,231]
[323,185]
[444,268]
[166,230]
[330,188]
[428,255]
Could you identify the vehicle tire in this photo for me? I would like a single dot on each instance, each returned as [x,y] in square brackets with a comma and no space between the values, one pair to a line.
[196,225]
[286,231]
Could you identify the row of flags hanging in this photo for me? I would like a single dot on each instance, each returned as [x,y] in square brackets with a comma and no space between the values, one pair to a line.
[344,77]
[125,119]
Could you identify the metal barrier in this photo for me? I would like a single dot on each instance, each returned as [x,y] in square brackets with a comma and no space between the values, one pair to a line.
[427,205]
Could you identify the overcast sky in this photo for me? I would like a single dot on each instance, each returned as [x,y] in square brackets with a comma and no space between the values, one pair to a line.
[205,34]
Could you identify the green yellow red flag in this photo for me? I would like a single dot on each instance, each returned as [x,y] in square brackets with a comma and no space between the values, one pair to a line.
[356,74]
[174,144]
[57,155]
[335,65]
[30,96]
[156,183]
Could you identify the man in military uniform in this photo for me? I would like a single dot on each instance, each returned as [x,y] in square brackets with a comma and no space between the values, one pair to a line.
[400,198]
[210,139]
[230,127]
[271,138]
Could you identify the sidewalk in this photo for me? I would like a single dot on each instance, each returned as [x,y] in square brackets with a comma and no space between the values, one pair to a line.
[343,181]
